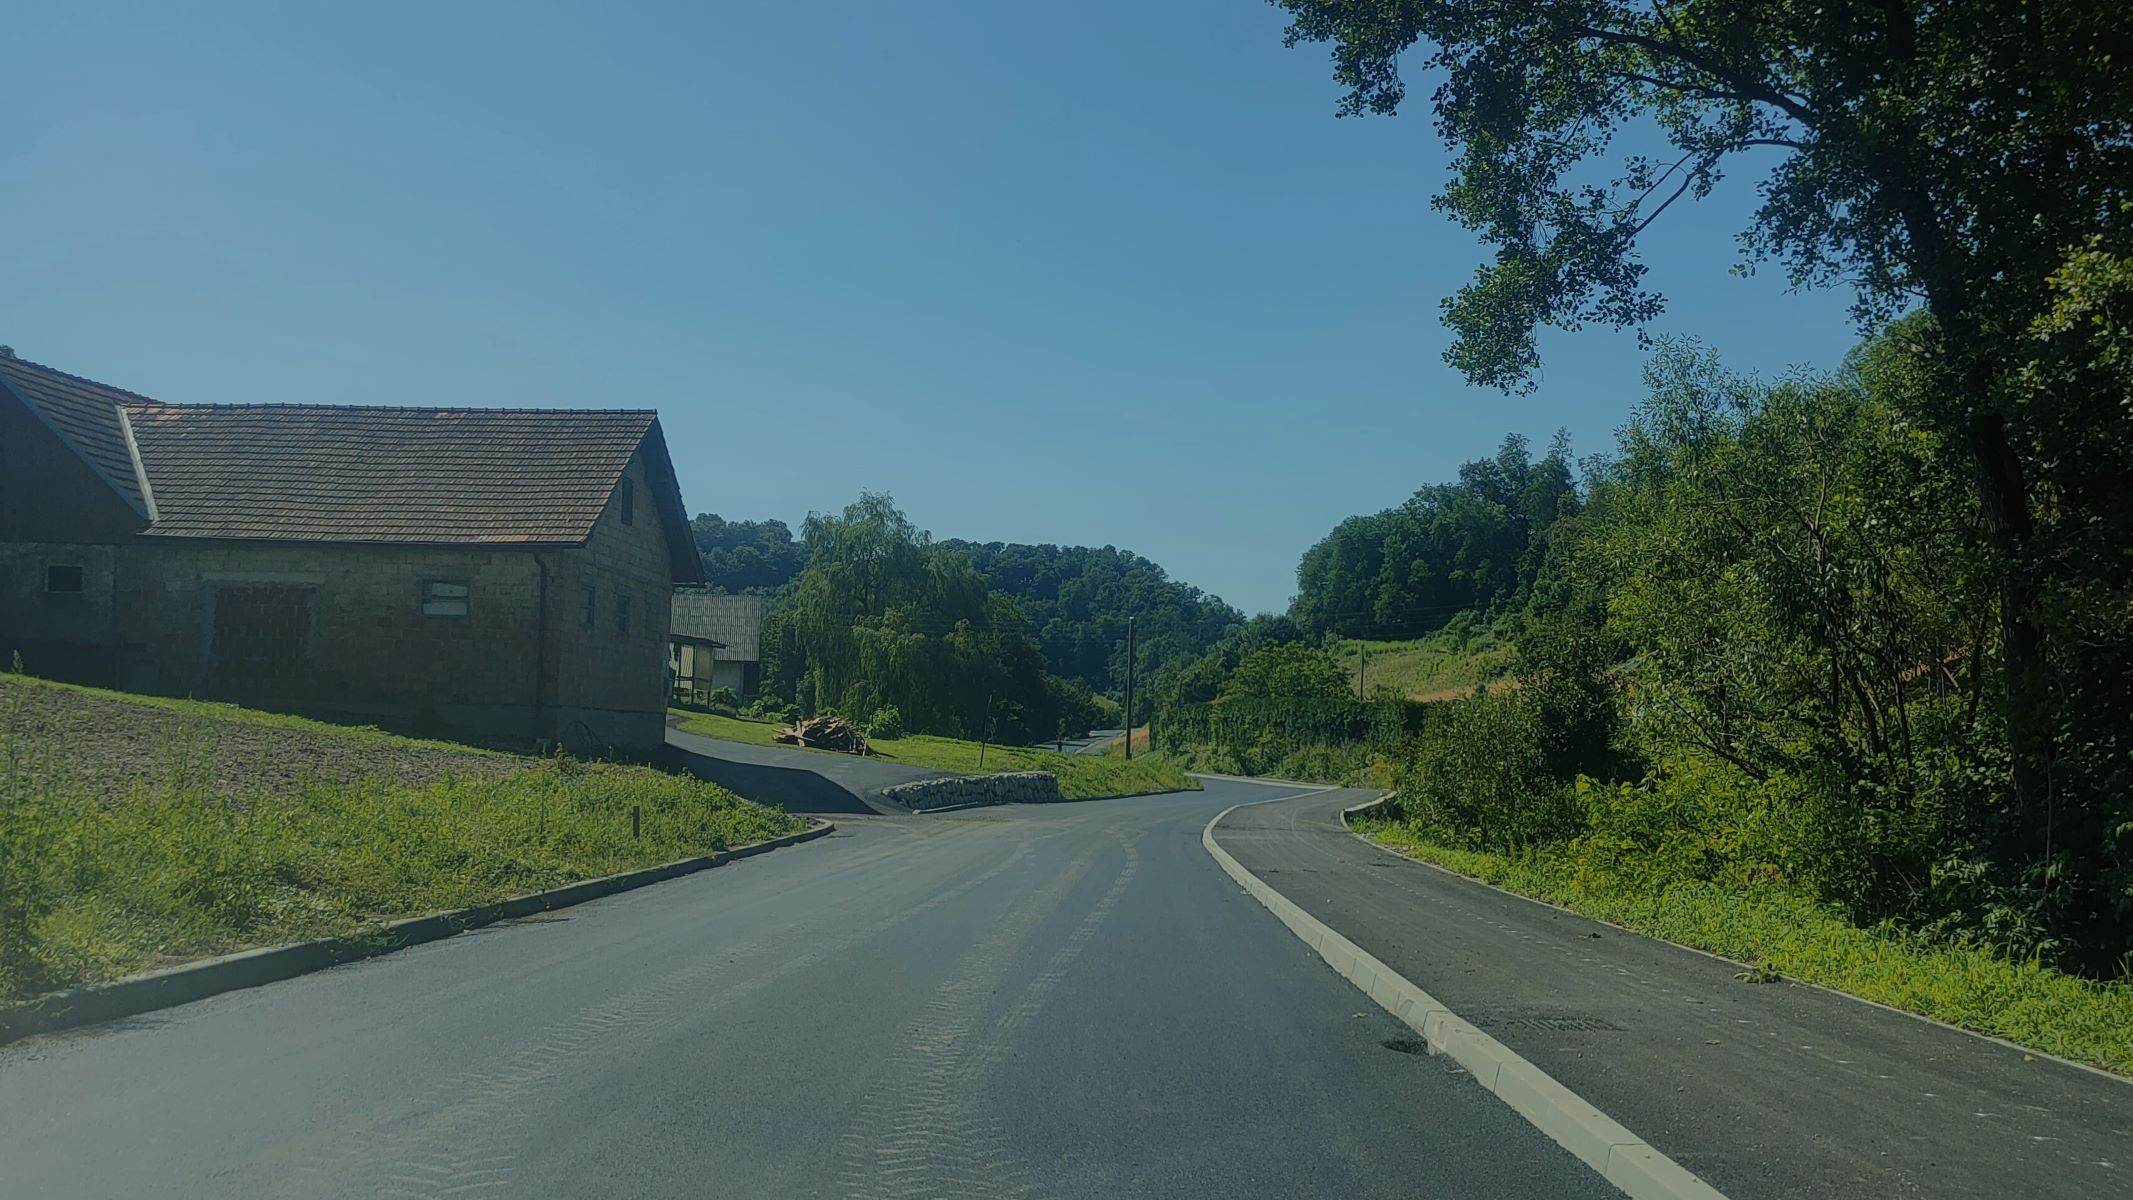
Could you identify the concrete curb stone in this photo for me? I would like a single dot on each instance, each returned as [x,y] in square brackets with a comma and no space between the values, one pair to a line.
[1620,1157]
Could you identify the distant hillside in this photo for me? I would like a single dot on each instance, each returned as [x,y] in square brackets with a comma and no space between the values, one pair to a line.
[1078,598]
[1440,666]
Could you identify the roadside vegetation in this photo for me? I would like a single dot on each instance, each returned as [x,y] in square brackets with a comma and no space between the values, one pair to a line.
[137,832]
[1750,707]
[1076,600]
[1784,935]
[1851,646]
[1442,665]
[1081,776]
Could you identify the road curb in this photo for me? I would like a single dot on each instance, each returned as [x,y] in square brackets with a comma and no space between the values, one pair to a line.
[139,994]
[1622,1158]
[1269,779]
[1790,980]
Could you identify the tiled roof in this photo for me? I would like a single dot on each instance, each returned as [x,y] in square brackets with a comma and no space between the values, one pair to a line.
[84,414]
[434,476]
[735,622]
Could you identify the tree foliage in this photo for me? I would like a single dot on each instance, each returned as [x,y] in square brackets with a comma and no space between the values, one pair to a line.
[1078,599]
[882,618]
[1455,547]
[747,557]
[1970,162]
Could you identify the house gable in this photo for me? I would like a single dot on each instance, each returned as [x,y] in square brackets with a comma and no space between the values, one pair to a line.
[51,492]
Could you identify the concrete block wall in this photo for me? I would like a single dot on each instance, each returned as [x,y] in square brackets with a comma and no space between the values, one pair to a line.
[1008,787]
[60,635]
[612,681]
[357,643]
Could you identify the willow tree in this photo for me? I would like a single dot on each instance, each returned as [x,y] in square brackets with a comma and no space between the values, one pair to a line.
[1970,158]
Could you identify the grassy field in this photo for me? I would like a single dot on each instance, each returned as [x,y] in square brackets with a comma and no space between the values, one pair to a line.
[1081,776]
[1786,935]
[1440,666]
[136,833]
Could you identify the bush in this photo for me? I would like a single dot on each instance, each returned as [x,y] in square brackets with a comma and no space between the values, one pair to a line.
[1479,779]
[722,698]
[770,708]
[887,723]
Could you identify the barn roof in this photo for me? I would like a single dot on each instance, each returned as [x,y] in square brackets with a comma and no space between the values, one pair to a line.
[734,622]
[84,415]
[361,473]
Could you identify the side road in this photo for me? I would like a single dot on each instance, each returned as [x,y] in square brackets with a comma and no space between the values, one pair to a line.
[1763,1090]
[802,781]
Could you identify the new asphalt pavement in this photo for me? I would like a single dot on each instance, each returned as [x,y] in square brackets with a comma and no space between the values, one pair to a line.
[1769,1091]
[1068,1000]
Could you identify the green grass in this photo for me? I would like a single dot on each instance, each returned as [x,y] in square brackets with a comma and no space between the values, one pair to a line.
[1429,667]
[101,878]
[1784,934]
[1081,776]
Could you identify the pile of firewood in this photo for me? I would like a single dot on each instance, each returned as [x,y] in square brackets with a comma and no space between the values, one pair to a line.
[824,733]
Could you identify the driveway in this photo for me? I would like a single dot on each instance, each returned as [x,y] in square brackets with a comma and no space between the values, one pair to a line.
[803,781]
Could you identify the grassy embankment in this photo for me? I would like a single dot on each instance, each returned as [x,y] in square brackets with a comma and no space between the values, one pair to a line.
[1440,666]
[1788,935]
[1081,776]
[137,832]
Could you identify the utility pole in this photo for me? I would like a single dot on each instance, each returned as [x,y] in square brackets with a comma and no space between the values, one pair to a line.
[984,730]
[1361,656]
[1129,689]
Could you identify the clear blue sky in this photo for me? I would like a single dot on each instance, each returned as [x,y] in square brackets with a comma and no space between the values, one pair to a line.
[1081,273]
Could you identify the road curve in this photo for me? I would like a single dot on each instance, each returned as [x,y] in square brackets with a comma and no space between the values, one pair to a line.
[1065,1000]
[1767,1092]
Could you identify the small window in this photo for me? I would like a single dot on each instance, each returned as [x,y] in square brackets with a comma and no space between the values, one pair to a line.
[443,598]
[63,577]
[622,612]
[592,604]
[626,500]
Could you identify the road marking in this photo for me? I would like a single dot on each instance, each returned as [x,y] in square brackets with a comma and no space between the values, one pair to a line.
[1620,1157]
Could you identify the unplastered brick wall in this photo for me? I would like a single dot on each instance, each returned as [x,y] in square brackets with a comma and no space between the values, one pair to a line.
[336,629]
[612,679]
[1007,787]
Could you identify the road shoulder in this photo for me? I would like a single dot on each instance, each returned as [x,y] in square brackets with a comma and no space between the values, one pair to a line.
[1759,1089]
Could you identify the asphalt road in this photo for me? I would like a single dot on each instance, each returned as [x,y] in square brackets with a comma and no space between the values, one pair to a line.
[803,781]
[1064,1000]
[1769,1091]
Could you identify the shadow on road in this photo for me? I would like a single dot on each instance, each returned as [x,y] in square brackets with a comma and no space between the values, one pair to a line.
[797,790]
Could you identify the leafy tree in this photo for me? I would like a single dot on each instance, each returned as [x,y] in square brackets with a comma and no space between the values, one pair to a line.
[1291,672]
[1973,158]
[883,618]
[753,557]
[1078,599]
[1451,548]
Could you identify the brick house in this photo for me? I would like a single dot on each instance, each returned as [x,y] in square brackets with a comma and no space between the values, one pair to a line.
[498,575]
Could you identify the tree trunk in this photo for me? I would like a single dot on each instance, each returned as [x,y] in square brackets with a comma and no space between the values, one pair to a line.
[2004,503]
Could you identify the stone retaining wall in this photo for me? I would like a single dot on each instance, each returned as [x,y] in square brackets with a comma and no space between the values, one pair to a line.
[1010,787]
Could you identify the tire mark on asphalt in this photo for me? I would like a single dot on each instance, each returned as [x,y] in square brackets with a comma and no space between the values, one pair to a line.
[921,1135]
[464,1135]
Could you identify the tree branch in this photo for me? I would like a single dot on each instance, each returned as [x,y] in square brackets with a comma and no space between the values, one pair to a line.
[1757,90]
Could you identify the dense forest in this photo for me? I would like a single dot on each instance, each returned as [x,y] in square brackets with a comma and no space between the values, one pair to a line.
[754,558]
[1472,545]
[1078,599]
[1073,600]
